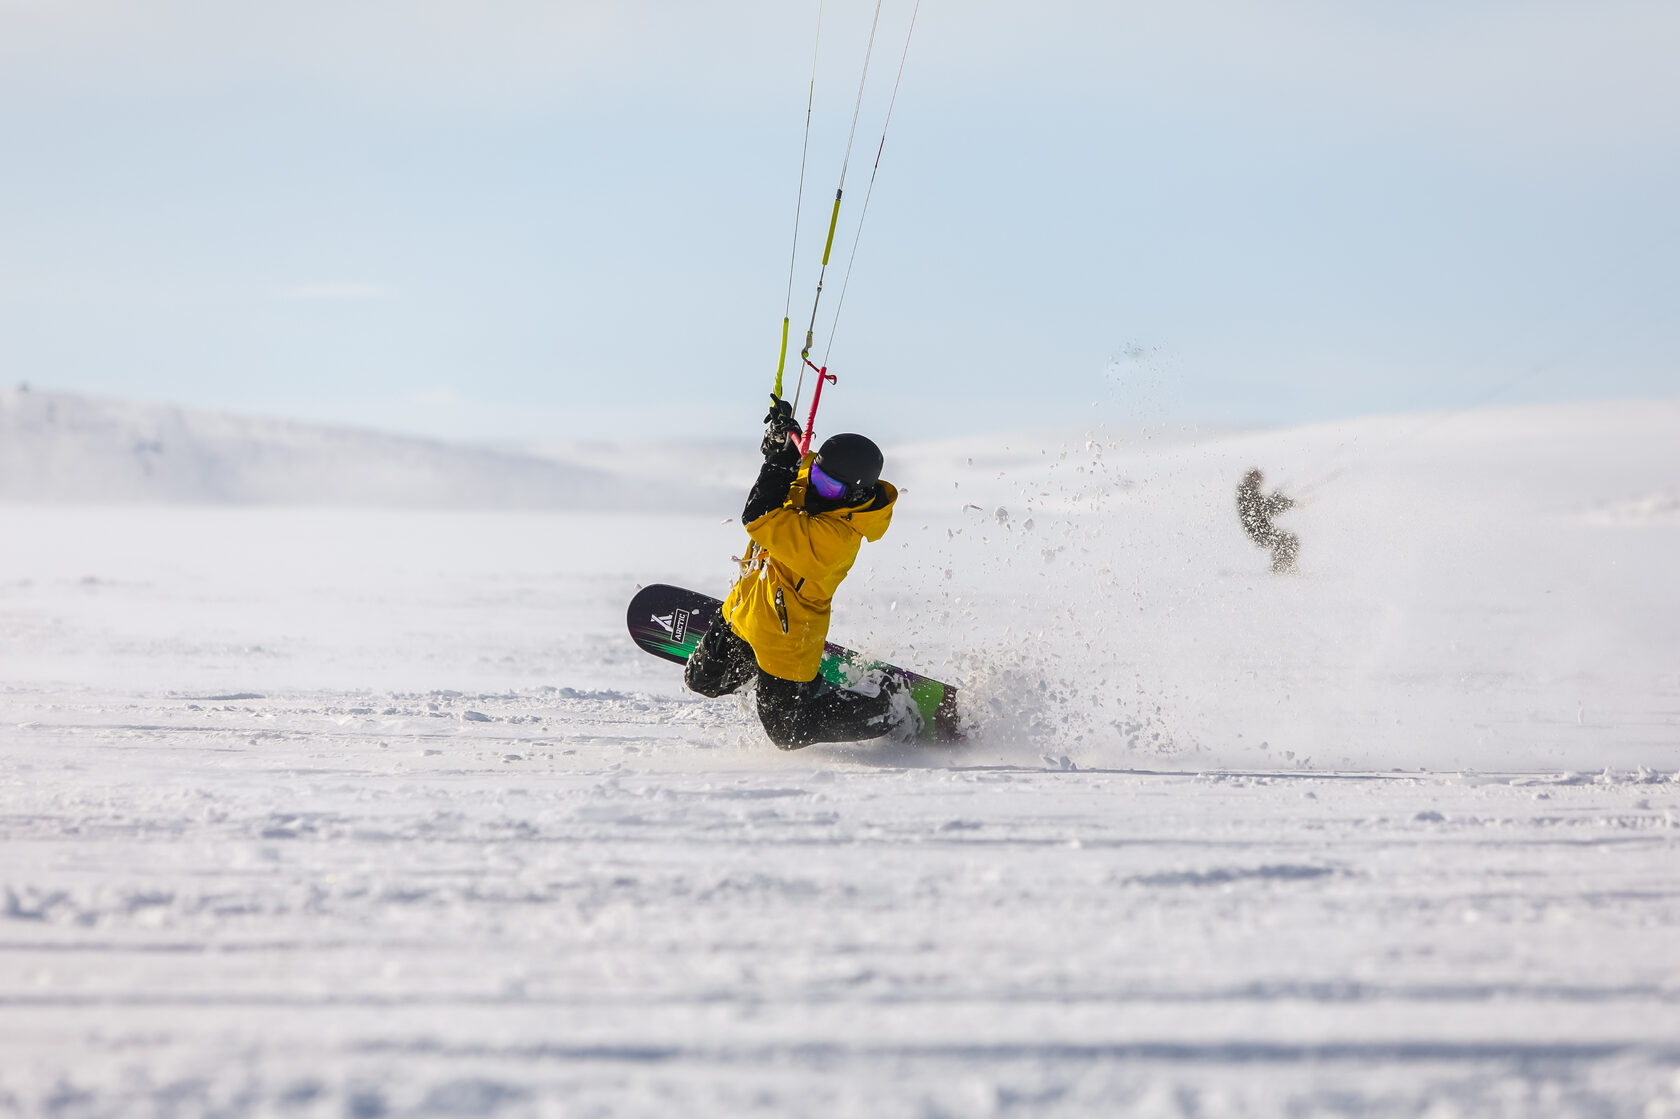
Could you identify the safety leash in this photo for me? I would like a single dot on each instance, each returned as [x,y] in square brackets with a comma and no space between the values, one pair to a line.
[816,398]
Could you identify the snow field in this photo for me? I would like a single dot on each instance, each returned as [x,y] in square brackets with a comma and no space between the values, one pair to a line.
[355,812]
[260,905]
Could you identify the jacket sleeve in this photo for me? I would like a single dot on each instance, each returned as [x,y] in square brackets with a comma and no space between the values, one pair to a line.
[769,492]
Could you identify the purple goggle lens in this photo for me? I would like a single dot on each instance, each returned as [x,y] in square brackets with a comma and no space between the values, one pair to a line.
[826,486]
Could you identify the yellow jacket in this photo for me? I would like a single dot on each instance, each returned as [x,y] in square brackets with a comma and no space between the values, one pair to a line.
[780,604]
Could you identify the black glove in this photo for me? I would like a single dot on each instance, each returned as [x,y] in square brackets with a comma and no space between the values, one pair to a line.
[779,450]
[779,424]
[780,413]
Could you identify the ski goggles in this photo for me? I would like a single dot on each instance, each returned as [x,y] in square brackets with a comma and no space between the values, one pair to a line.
[826,486]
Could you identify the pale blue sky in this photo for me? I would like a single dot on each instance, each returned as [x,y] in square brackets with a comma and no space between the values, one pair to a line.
[523,219]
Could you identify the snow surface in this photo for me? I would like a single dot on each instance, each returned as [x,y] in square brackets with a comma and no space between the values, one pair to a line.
[356,811]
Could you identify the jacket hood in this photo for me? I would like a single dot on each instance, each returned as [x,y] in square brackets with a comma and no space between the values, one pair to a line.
[869,518]
[872,517]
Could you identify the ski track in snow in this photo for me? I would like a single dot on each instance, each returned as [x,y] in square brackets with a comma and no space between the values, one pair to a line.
[372,813]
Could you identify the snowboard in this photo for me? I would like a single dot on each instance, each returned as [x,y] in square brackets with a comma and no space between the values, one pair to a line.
[669,621]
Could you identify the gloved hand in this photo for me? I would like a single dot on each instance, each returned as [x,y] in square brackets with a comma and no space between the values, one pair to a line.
[780,413]
[779,425]
[779,447]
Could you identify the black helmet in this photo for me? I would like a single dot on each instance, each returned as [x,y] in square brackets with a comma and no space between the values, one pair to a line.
[852,459]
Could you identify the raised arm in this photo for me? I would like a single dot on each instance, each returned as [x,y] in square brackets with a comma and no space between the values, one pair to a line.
[781,462]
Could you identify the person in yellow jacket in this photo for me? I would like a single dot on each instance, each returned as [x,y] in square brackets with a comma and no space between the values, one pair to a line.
[807,516]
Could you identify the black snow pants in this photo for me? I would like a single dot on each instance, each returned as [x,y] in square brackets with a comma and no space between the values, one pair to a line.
[794,714]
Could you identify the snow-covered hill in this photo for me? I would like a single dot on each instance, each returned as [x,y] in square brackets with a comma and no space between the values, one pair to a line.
[1487,588]
[65,448]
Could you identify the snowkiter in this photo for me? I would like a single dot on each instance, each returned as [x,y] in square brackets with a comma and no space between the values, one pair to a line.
[807,516]
[1256,511]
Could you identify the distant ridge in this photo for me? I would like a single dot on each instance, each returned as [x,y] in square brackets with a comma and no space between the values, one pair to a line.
[58,447]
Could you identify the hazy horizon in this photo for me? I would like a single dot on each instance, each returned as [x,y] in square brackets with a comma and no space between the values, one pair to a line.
[1105,414]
